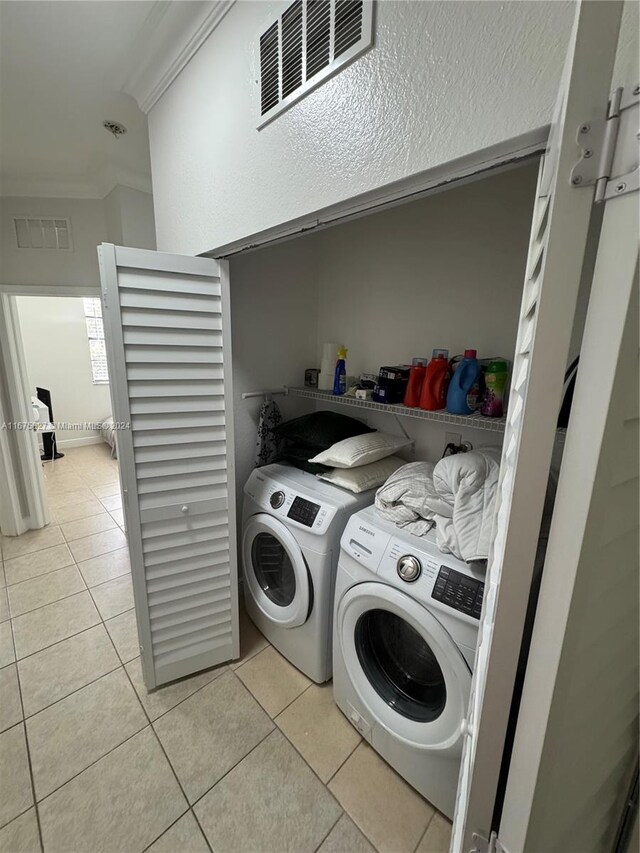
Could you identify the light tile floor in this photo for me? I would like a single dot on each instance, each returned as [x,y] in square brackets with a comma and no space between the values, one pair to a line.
[247,757]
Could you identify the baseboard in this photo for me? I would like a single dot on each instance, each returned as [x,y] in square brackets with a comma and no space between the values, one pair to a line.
[78,442]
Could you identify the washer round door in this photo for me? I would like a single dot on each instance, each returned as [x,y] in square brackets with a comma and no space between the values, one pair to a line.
[403,665]
[276,571]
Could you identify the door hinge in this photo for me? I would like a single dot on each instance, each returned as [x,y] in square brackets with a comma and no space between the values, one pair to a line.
[598,139]
[484,845]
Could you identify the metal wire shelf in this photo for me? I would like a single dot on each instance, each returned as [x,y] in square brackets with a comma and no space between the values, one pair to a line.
[475,421]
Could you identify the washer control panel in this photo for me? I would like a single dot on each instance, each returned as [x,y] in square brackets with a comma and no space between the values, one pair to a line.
[303,511]
[279,500]
[459,591]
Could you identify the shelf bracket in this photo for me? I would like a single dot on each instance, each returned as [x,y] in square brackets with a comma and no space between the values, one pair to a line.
[403,429]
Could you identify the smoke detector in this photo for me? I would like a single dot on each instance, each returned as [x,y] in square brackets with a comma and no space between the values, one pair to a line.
[114,127]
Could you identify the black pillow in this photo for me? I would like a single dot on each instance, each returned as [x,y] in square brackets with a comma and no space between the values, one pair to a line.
[320,430]
[298,455]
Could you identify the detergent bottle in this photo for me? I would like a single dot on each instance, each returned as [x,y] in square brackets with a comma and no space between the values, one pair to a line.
[416,378]
[463,396]
[496,383]
[340,375]
[436,381]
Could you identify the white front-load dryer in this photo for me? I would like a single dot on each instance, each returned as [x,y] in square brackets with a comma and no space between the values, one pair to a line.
[405,632]
[291,528]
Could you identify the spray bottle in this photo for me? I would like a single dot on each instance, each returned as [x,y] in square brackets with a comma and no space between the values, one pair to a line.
[340,375]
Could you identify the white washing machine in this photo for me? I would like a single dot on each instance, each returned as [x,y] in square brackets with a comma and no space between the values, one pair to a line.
[291,528]
[405,633]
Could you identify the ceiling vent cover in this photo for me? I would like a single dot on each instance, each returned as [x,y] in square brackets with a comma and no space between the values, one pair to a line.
[33,232]
[309,42]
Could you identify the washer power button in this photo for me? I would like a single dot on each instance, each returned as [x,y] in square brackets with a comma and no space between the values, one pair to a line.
[409,568]
[276,500]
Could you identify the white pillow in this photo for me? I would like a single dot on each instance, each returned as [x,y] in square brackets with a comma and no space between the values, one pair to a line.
[364,476]
[361,450]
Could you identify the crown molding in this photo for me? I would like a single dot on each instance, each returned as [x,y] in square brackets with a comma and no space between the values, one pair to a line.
[171,36]
[97,186]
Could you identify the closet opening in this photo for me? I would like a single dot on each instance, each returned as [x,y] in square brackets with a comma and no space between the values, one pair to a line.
[443,271]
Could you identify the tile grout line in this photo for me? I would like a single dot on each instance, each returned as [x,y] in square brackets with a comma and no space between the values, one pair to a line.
[75,634]
[55,600]
[277,728]
[93,763]
[26,741]
[120,666]
[75,562]
[426,829]
[168,760]
[155,734]
[164,831]
[338,769]
[339,818]
[78,689]
[87,628]
[23,722]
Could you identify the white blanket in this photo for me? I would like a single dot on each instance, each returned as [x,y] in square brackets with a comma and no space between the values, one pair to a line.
[458,495]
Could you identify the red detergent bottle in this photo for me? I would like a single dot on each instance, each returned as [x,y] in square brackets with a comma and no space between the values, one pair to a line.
[416,378]
[436,381]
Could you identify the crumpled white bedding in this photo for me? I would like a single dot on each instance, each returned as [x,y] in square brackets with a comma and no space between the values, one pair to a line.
[457,495]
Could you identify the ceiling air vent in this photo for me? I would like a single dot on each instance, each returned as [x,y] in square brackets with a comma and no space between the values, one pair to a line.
[309,42]
[36,233]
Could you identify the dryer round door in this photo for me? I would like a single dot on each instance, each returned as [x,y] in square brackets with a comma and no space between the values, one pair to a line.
[404,665]
[276,571]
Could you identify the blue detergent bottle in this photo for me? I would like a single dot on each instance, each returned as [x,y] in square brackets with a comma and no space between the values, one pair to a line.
[463,396]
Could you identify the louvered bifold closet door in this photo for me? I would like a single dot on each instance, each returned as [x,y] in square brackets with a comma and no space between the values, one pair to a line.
[168,344]
[559,233]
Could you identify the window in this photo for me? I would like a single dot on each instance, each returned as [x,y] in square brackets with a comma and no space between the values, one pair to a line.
[95,333]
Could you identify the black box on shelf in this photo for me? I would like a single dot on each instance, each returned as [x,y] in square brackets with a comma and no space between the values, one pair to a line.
[392,384]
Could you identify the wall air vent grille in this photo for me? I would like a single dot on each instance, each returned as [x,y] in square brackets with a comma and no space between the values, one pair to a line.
[36,233]
[348,26]
[270,68]
[292,49]
[309,42]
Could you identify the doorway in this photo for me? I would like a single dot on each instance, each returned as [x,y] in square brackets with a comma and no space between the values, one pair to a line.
[78,563]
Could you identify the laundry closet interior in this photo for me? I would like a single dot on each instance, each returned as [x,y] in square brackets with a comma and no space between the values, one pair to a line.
[442,271]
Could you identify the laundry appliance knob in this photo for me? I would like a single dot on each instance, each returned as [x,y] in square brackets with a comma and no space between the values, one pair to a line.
[409,568]
[276,500]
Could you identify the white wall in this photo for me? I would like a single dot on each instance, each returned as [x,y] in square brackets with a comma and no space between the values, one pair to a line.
[56,352]
[78,268]
[124,216]
[129,217]
[274,329]
[444,79]
[445,271]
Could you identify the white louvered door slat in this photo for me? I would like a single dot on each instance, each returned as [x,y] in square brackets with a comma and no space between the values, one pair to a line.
[559,235]
[168,340]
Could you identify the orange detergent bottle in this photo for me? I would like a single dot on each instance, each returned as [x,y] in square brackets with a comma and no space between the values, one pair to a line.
[436,381]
